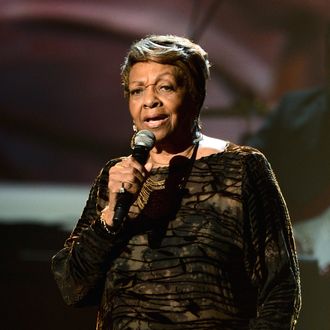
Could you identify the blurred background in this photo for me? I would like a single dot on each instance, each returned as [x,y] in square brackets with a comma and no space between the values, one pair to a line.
[63,115]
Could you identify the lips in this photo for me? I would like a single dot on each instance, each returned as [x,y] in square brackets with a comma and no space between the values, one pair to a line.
[155,121]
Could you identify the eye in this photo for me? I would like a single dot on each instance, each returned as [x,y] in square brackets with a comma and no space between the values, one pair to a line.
[166,88]
[136,91]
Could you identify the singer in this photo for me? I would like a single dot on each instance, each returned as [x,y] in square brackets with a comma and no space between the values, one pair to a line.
[188,232]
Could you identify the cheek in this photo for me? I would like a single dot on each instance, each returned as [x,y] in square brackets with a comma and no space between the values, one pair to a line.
[183,118]
[133,108]
[187,111]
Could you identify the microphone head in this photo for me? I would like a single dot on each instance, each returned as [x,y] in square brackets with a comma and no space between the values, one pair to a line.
[144,138]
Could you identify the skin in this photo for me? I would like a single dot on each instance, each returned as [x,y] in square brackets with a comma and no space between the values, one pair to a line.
[158,102]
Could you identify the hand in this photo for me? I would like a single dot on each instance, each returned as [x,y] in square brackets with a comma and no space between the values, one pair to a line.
[128,174]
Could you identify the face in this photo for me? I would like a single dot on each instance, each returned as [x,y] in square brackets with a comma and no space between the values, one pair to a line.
[159,102]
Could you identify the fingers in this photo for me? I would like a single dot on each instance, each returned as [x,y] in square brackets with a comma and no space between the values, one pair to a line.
[127,174]
[148,167]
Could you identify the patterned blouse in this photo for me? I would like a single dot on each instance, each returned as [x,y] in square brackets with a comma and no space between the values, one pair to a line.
[209,246]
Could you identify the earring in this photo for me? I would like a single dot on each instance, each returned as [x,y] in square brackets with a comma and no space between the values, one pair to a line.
[133,137]
[196,131]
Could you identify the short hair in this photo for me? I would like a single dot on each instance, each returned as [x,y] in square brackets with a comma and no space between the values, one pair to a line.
[189,57]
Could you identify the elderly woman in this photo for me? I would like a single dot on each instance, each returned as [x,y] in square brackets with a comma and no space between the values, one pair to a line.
[206,242]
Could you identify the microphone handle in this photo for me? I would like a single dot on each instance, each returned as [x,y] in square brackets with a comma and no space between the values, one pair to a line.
[122,206]
[141,154]
[124,202]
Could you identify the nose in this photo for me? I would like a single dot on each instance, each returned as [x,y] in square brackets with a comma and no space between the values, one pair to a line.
[151,99]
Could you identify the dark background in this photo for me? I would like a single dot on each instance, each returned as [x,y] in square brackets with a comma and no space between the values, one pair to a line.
[62,115]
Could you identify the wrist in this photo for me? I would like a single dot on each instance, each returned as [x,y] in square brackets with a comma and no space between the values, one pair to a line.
[106,226]
[107,215]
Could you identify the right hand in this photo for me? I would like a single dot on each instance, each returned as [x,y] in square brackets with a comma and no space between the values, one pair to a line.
[129,174]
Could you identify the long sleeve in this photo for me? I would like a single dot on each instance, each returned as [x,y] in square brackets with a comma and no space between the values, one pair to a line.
[270,248]
[80,267]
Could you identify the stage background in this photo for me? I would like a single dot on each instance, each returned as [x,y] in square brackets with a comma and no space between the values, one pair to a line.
[62,115]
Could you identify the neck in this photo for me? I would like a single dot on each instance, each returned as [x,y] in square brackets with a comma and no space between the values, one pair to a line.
[162,157]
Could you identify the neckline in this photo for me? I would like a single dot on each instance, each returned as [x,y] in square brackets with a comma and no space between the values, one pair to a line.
[165,168]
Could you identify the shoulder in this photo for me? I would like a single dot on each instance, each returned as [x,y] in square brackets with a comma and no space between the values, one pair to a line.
[213,149]
[243,150]
[252,164]
[209,146]
[247,155]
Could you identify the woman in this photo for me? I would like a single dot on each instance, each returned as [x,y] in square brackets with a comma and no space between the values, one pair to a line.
[207,241]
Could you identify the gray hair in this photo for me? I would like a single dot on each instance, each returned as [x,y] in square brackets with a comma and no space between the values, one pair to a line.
[189,57]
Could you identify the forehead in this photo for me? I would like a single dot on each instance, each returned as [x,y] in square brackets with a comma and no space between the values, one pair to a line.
[147,71]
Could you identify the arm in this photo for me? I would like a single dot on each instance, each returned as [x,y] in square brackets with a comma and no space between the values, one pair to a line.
[80,267]
[270,248]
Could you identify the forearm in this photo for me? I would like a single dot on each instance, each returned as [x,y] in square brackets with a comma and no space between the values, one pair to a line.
[79,269]
[279,309]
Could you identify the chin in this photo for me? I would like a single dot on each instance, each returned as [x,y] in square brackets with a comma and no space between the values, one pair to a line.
[160,133]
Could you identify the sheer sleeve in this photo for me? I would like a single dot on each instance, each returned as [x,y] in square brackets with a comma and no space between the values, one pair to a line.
[80,267]
[270,248]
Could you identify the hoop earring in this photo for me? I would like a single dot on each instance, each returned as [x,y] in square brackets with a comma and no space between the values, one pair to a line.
[133,137]
[196,131]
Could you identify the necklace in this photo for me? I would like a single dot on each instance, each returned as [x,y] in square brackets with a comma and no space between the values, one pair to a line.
[148,187]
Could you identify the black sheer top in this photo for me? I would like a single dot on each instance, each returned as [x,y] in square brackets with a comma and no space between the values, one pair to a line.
[209,246]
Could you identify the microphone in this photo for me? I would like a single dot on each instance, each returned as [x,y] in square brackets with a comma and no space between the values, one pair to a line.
[143,142]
